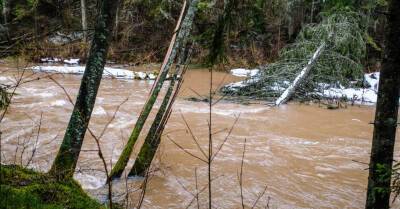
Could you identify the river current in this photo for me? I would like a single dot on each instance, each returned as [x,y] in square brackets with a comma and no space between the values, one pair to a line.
[304,155]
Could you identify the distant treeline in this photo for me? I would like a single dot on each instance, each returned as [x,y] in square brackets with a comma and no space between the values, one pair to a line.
[257,29]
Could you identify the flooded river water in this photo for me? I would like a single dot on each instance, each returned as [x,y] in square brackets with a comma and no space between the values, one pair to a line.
[305,156]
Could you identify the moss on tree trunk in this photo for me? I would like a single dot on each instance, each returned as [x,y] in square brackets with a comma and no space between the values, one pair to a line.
[380,167]
[67,157]
[151,142]
[180,39]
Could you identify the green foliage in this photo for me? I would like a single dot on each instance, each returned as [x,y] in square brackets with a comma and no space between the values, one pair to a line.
[383,3]
[21,11]
[339,64]
[336,5]
[372,43]
[24,8]
[256,32]
[24,188]
[346,48]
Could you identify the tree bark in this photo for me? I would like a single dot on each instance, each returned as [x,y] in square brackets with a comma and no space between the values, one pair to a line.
[150,145]
[380,167]
[288,93]
[67,157]
[312,11]
[5,11]
[290,24]
[116,22]
[217,49]
[84,20]
[169,59]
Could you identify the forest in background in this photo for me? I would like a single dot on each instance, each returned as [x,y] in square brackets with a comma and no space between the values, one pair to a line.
[339,39]
[256,29]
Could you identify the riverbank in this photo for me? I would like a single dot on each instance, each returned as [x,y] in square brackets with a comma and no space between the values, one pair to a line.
[364,93]
[25,188]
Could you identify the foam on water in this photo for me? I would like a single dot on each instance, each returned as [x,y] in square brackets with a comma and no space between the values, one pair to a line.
[99,110]
[58,103]
[89,181]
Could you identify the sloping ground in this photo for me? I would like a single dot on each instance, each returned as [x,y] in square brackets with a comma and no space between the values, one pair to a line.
[24,188]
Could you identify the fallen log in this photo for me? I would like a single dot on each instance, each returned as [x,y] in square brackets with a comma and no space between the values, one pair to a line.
[288,93]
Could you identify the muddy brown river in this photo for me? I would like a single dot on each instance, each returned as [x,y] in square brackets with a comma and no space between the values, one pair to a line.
[304,155]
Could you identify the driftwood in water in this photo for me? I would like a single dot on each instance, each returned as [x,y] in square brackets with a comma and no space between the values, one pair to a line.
[288,93]
[177,41]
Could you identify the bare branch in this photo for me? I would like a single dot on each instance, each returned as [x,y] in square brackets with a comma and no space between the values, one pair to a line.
[183,149]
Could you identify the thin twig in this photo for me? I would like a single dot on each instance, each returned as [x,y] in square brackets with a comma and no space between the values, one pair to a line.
[259,197]
[197,189]
[226,138]
[241,173]
[37,140]
[193,136]
[183,149]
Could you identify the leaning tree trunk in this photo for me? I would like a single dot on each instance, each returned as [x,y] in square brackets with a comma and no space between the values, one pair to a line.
[150,145]
[67,157]
[84,20]
[176,43]
[288,93]
[380,167]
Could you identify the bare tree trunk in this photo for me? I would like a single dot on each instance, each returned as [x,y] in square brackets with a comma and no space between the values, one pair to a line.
[288,93]
[290,24]
[84,20]
[217,49]
[380,167]
[116,22]
[312,11]
[67,157]
[5,11]
[169,59]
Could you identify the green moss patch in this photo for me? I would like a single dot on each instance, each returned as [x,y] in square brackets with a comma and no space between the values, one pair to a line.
[24,188]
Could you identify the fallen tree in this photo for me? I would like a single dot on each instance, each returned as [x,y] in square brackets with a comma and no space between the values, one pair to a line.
[301,77]
[324,55]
